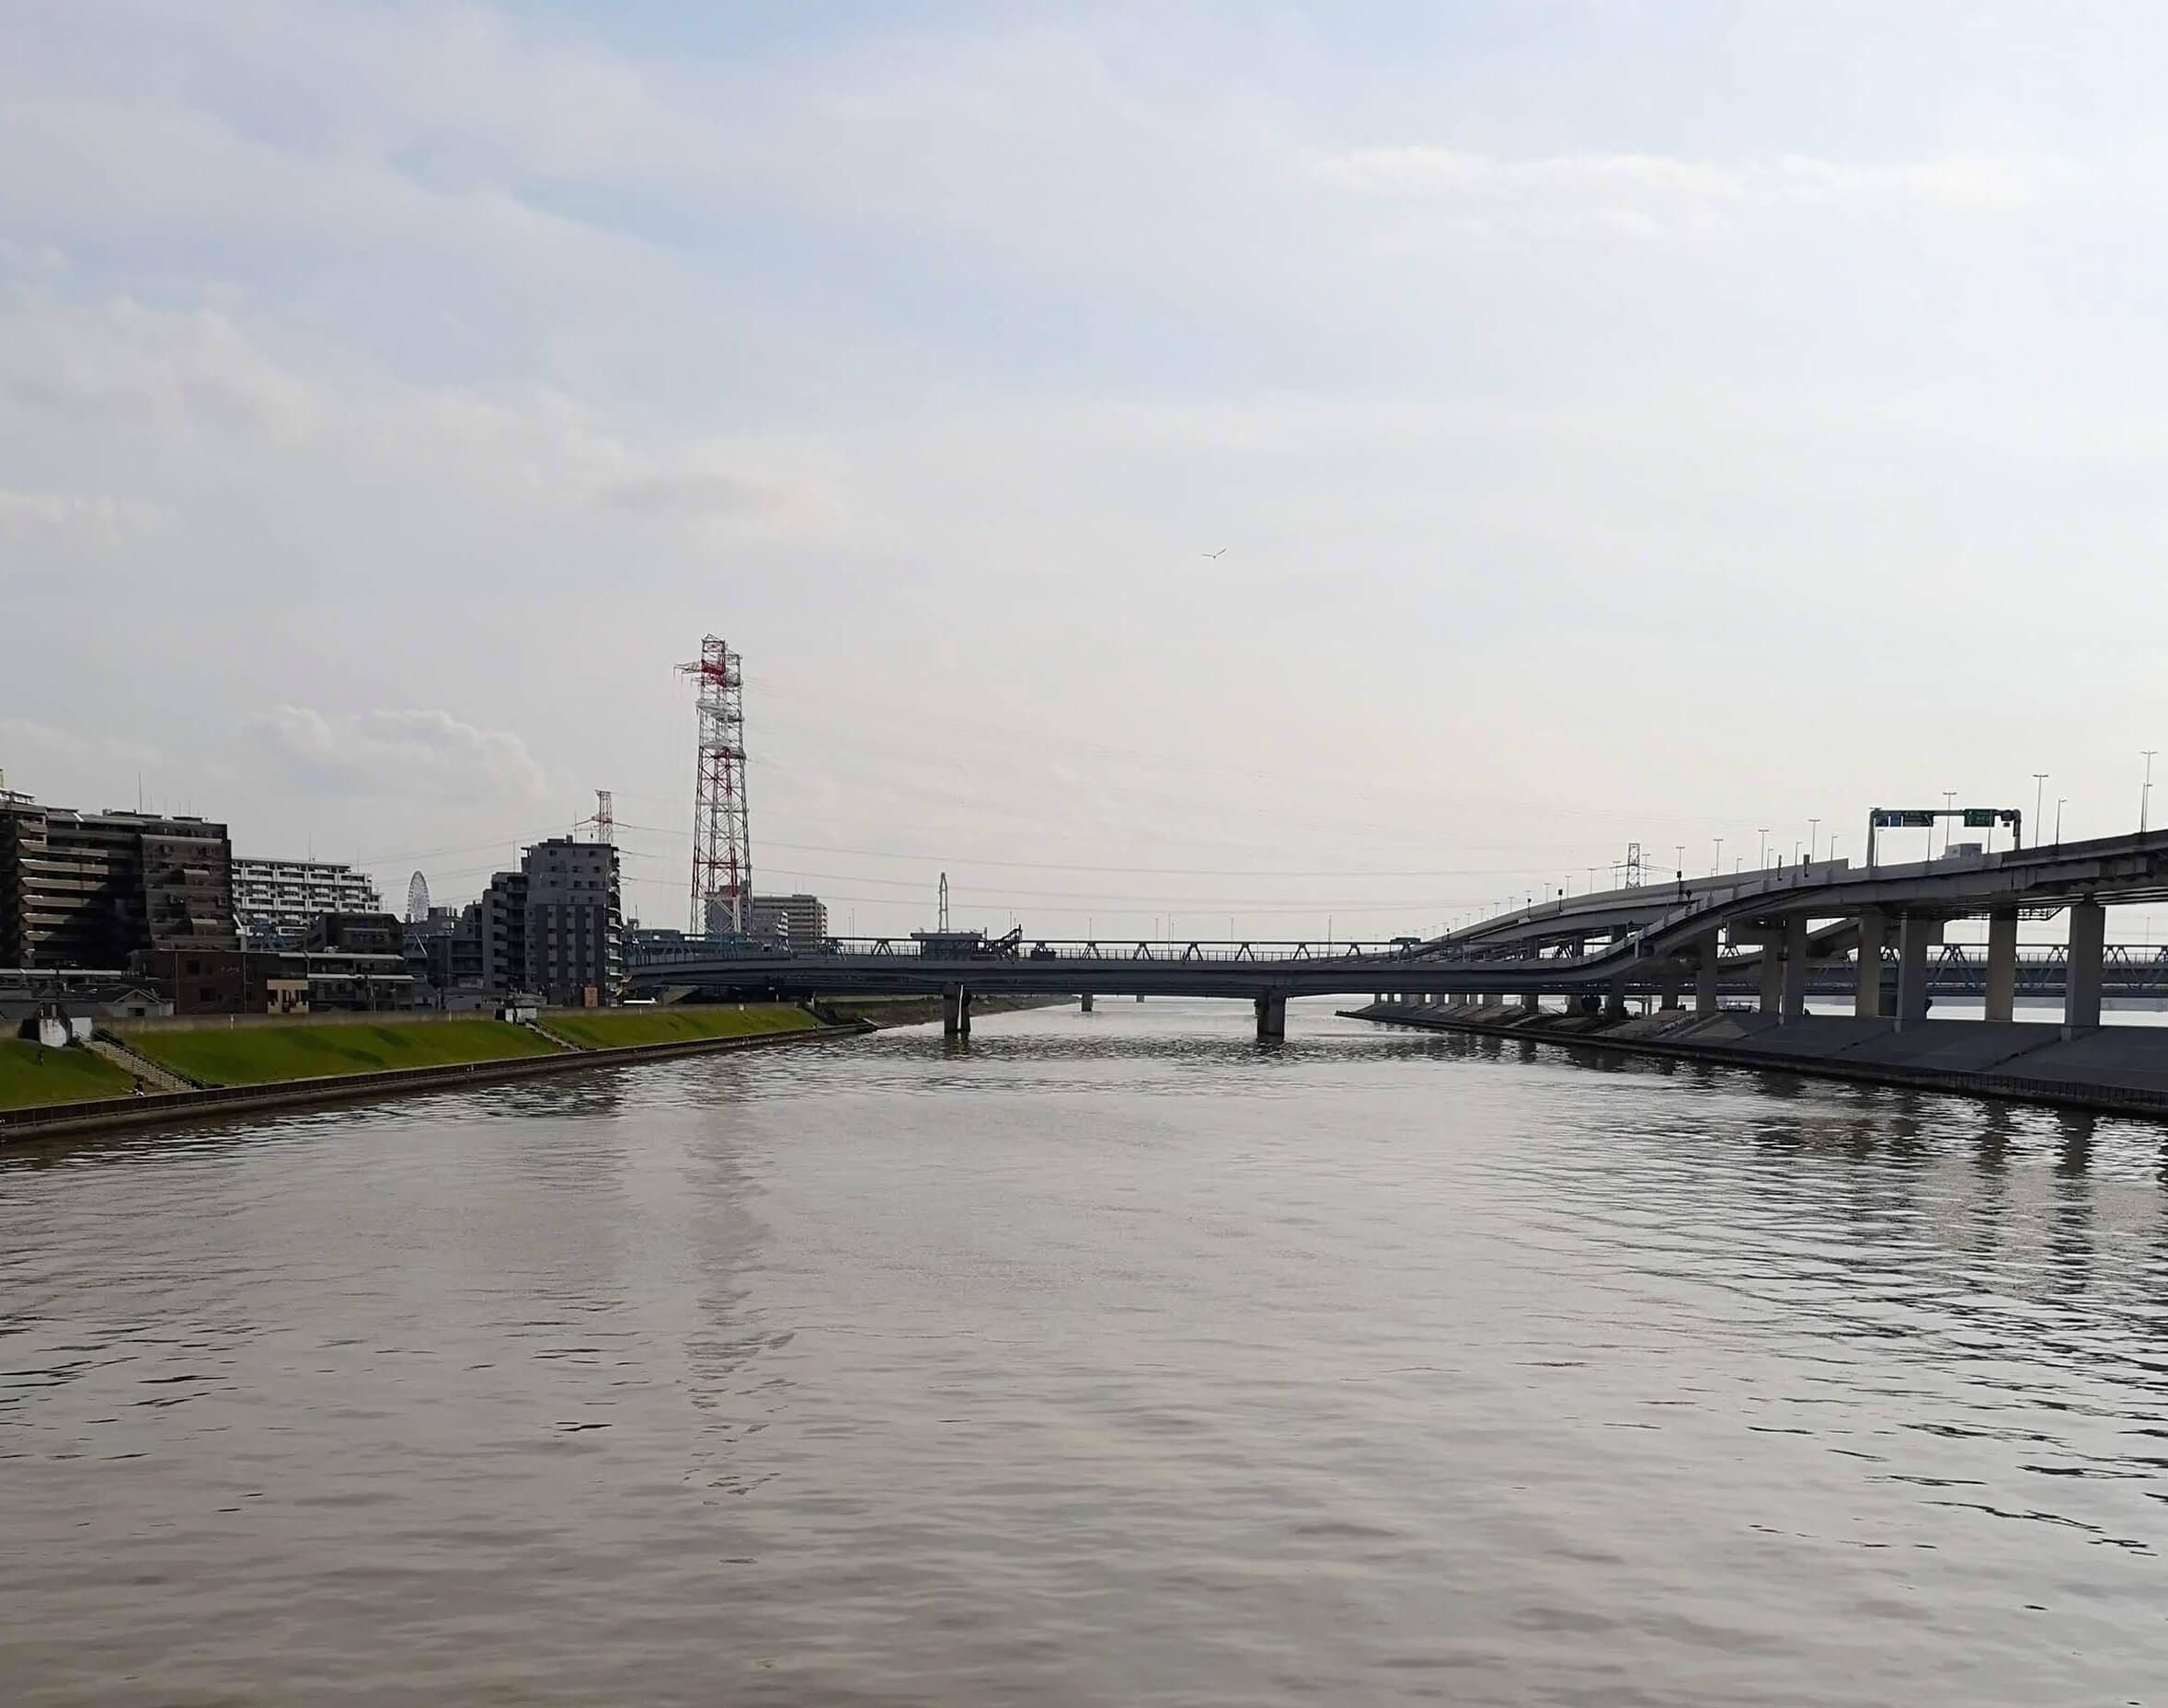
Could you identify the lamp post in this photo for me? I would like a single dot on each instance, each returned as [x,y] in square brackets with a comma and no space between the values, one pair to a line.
[2040,784]
[1718,870]
[1762,857]
[1814,830]
[2058,804]
[2145,797]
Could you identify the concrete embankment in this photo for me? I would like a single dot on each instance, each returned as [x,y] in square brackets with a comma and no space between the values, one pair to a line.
[2118,1069]
[230,1063]
[883,1012]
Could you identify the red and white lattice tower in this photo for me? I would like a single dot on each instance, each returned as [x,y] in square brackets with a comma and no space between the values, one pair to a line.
[722,839]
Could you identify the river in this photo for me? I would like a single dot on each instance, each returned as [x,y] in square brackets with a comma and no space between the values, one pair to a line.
[1107,1359]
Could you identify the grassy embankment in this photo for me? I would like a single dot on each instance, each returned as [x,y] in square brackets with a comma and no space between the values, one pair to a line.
[74,1075]
[259,1055]
[618,1029]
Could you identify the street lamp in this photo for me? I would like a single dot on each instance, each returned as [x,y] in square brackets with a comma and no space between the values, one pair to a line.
[1814,830]
[1718,870]
[2058,804]
[1761,858]
[2040,783]
[2145,798]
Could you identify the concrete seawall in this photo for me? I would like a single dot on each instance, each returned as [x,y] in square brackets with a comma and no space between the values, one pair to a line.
[2122,1070]
[55,1119]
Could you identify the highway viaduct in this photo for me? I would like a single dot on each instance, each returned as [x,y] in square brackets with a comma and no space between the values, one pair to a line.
[1667,939]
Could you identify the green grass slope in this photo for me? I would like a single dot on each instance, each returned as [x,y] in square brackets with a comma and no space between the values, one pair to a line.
[261,1055]
[616,1029]
[73,1075]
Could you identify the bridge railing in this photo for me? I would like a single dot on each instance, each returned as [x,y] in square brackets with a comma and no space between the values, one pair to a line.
[1158,950]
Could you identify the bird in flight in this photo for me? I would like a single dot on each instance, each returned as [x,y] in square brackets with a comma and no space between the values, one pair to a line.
[1221,553]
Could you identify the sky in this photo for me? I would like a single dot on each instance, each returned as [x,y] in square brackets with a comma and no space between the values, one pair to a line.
[1248,469]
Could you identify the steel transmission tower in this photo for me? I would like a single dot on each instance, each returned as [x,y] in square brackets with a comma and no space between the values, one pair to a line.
[722,837]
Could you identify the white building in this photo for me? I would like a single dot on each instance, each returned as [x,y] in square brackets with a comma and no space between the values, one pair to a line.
[275,900]
[799,923]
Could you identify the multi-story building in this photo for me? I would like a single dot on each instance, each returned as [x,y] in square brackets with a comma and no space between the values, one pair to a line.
[504,934]
[554,928]
[275,901]
[575,927]
[799,923]
[444,953]
[111,889]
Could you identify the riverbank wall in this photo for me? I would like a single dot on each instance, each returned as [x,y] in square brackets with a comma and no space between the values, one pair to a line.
[885,1012]
[2120,1070]
[555,1056]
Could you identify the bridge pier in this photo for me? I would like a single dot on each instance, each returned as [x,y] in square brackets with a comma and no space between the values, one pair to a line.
[2081,1001]
[1914,932]
[1271,1018]
[1084,1003]
[1866,997]
[1668,983]
[1793,1005]
[2002,981]
[955,1012]
[1531,1002]
[1773,974]
[1706,957]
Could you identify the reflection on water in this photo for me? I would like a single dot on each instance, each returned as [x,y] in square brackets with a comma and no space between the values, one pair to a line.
[1109,1357]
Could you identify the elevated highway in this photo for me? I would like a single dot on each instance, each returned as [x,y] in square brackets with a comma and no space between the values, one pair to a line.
[1662,938]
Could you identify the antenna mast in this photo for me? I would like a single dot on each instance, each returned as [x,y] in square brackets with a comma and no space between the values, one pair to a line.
[605,819]
[722,836]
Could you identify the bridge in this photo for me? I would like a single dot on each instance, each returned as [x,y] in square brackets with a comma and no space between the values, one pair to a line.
[1811,924]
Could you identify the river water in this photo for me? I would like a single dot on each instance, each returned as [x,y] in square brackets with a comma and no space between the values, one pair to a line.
[1109,1360]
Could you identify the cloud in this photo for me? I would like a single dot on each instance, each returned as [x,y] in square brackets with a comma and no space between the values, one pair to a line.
[1605,185]
[101,520]
[23,738]
[689,492]
[1419,170]
[429,754]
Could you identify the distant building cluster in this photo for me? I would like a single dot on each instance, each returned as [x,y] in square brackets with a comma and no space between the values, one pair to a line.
[153,912]
[276,900]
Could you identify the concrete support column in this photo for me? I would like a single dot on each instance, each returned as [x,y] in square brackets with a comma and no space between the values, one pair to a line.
[2002,993]
[1531,1002]
[2089,930]
[1084,1002]
[1271,1018]
[1614,999]
[1669,981]
[955,1012]
[1773,974]
[1914,932]
[1793,1005]
[1866,1001]
[1704,974]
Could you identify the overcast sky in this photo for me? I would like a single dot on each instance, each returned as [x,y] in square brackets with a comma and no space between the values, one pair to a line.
[1622,421]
